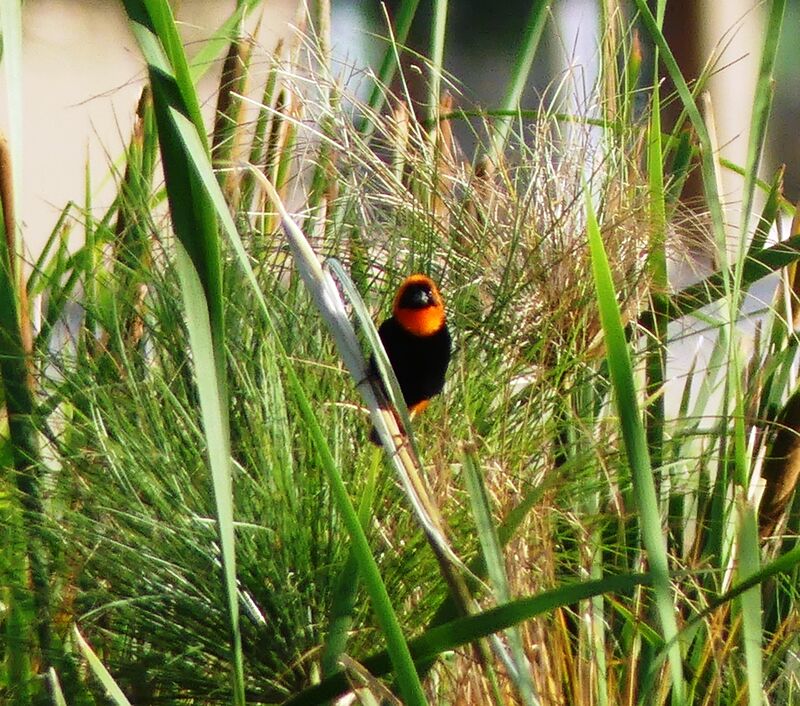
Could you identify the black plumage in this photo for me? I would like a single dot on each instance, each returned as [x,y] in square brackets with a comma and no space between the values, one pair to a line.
[419,362]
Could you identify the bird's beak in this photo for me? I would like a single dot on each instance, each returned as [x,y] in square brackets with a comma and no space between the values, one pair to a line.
[421,299]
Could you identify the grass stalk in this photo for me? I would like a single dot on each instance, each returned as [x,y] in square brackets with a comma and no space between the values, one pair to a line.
[634,438]
[523,63]
[199,266]
[28,556]
[404,16]
[438,34]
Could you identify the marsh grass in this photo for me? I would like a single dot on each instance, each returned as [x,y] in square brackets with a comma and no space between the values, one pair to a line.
[606,546]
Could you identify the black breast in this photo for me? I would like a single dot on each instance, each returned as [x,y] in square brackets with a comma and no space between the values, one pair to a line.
[419,362]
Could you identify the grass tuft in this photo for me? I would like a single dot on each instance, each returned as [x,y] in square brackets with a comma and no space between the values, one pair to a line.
[188,481]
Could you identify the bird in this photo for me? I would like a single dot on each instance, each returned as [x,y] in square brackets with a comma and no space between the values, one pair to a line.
[417,342]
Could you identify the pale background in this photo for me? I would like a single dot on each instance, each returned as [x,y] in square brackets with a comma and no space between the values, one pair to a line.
[82,75]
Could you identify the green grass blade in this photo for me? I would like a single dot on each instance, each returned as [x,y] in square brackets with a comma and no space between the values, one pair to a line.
[438,33]
[183,143]
[100,672]
[213,405]
[495,564]
[158,37]
[657,341]
[633,433]
[405,673]
[259,148]
[750,601]
[520,73]
[762,104]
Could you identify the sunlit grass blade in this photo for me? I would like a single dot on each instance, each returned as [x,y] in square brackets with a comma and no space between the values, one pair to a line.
[199,266]
[750,600]
[762,105]
[495,565]
[634,438]
[402,663]
[519,74]
[100,672]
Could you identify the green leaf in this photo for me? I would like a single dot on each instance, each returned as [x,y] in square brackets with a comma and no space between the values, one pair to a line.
[406,675]
[99,670]
[633,435]
[750,600]
[199,263]
[495,564]
[520,72]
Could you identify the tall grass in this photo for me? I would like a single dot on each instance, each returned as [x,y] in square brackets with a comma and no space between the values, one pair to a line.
[192,508]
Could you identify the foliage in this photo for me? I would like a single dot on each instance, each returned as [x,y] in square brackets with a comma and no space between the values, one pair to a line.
[192,507]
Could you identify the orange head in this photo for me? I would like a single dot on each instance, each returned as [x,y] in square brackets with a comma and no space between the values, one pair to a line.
[418,306]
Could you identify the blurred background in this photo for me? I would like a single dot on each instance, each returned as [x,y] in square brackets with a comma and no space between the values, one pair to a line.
[82,75]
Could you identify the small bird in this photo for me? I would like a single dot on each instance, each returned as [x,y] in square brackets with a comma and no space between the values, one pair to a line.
[417,343]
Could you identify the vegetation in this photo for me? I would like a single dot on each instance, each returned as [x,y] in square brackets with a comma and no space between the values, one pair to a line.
[191,510]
